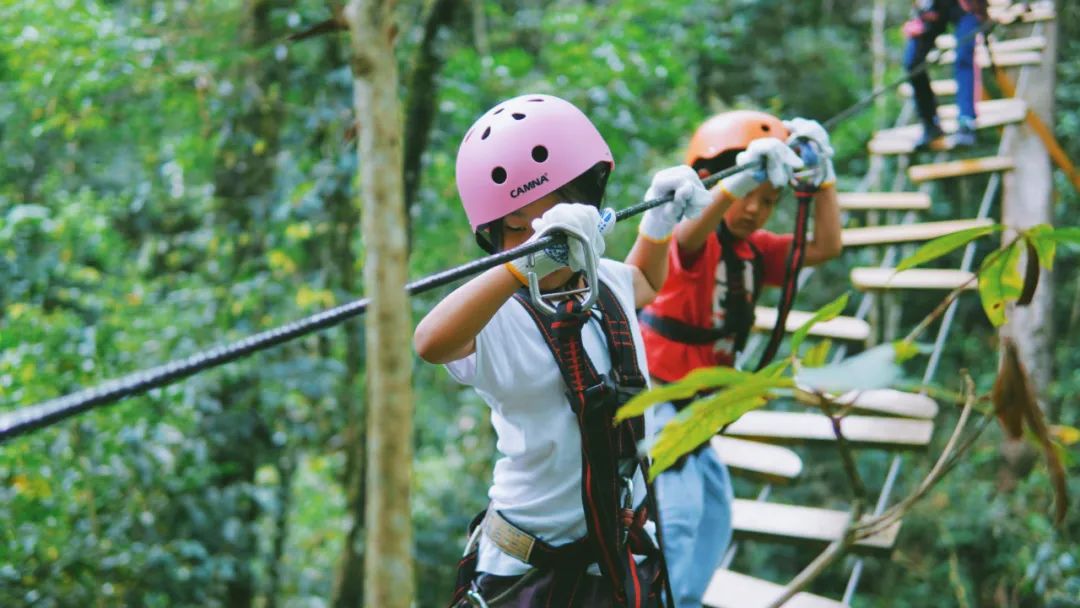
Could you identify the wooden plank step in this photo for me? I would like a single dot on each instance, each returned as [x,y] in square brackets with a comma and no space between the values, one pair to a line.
[906,233]
[959,168]
[763,461]
[941,88]
[881,401]
[798,525]
[884,201]
[994,113]
[1037,11]
[840,328]
[862,431]
[917,278]
[1002,60]
[729,589]
[1013,45]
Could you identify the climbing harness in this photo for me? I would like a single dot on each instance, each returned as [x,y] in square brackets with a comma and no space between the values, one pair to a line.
[610,461]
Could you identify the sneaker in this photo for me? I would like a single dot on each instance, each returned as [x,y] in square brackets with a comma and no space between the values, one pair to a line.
[931,132]
[965,132]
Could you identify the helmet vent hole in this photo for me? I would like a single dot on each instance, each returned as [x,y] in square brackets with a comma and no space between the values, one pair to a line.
[469,134]
[539,154]
[485,134]
[765,128]
[518,116]
[499,111]
[536,100]
[498,175]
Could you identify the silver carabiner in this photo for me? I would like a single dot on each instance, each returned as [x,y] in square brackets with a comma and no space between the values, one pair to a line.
[812,175]
[591,275]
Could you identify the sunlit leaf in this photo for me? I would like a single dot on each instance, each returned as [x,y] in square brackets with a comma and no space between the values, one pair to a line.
[905,350]
[692,384]
[706,416]
[825,313]
[1042,240]
[873,368]
[1031,276]
[1067,435]
[1068,235]
[818,354]
[1000,282]
[945,244]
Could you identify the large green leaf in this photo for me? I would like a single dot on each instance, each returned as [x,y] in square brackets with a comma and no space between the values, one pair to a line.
[692,384]
[945,244]
[1041,238]
[818,354]
[1068,235]
[706,416]
[825,313]
[1000,282]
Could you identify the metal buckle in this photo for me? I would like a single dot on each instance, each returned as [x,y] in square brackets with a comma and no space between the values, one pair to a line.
[626,501]
[591,276]
[811,176]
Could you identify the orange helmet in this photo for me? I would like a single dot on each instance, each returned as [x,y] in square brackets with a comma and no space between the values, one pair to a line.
[717,140]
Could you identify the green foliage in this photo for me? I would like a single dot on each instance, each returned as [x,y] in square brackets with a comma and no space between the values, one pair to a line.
[828,312]
[944,245]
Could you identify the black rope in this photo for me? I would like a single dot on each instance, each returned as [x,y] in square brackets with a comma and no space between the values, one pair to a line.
[924,65]
[791,278]
[46,413]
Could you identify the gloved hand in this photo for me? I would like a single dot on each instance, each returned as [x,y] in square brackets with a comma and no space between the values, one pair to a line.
[780,164]
[812,130]
[689,199]
[582,220]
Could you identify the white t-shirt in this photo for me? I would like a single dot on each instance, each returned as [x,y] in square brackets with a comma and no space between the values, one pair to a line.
[537,480]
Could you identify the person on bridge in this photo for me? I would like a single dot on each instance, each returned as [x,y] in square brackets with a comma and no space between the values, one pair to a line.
[931,19]
[718,263]
[568,523]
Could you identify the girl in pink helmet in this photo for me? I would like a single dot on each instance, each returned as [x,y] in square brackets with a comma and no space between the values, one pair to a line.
[568,522]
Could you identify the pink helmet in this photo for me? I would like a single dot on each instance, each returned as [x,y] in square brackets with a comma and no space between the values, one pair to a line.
[521,150]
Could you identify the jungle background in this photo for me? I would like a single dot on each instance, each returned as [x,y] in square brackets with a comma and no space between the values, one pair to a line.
[177,173]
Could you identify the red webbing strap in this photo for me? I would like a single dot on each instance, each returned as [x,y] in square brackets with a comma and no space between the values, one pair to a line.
[593,399]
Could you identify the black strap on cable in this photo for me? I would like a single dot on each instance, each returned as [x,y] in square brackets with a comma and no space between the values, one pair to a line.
[791,276]
[46,413]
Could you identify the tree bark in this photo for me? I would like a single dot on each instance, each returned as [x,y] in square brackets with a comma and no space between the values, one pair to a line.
[1027,201]
[388,575]
[423,97]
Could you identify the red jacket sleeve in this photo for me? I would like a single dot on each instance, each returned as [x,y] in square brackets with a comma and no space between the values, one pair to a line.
[774,250]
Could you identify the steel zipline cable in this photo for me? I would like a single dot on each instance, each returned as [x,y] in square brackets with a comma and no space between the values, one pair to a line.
[49,412]
[46,413]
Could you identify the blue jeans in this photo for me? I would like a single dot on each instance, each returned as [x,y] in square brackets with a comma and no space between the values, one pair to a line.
[918,48]
[695,518]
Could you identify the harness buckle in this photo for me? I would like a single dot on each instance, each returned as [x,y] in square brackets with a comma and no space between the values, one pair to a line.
[626,504]
[592,278]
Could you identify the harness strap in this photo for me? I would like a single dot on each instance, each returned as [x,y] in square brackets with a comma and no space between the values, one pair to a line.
[739,301]
[593,398]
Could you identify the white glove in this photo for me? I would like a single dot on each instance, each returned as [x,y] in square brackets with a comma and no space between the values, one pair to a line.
[582,220]
[812,130]
[689,199]
[780,165]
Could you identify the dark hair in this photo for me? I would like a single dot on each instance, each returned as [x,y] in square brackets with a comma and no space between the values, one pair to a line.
[716,164]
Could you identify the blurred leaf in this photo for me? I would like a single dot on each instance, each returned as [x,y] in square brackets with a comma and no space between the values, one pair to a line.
[873,368]
[1011,393]
[1031,276]
[693,383]
[1068,235]
[945,244]
[1042,240]
[706,416]
[1000,282]
[825,313]
[1067,435]
[905,350]
[818,354]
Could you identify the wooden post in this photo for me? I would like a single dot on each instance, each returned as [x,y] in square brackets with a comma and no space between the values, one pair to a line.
[1027,200]
[388,569]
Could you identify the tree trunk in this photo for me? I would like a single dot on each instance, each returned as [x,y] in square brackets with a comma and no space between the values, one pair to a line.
[388,574]
[1027,201]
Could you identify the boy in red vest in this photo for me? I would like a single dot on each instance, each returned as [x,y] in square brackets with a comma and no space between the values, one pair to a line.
[718,263]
